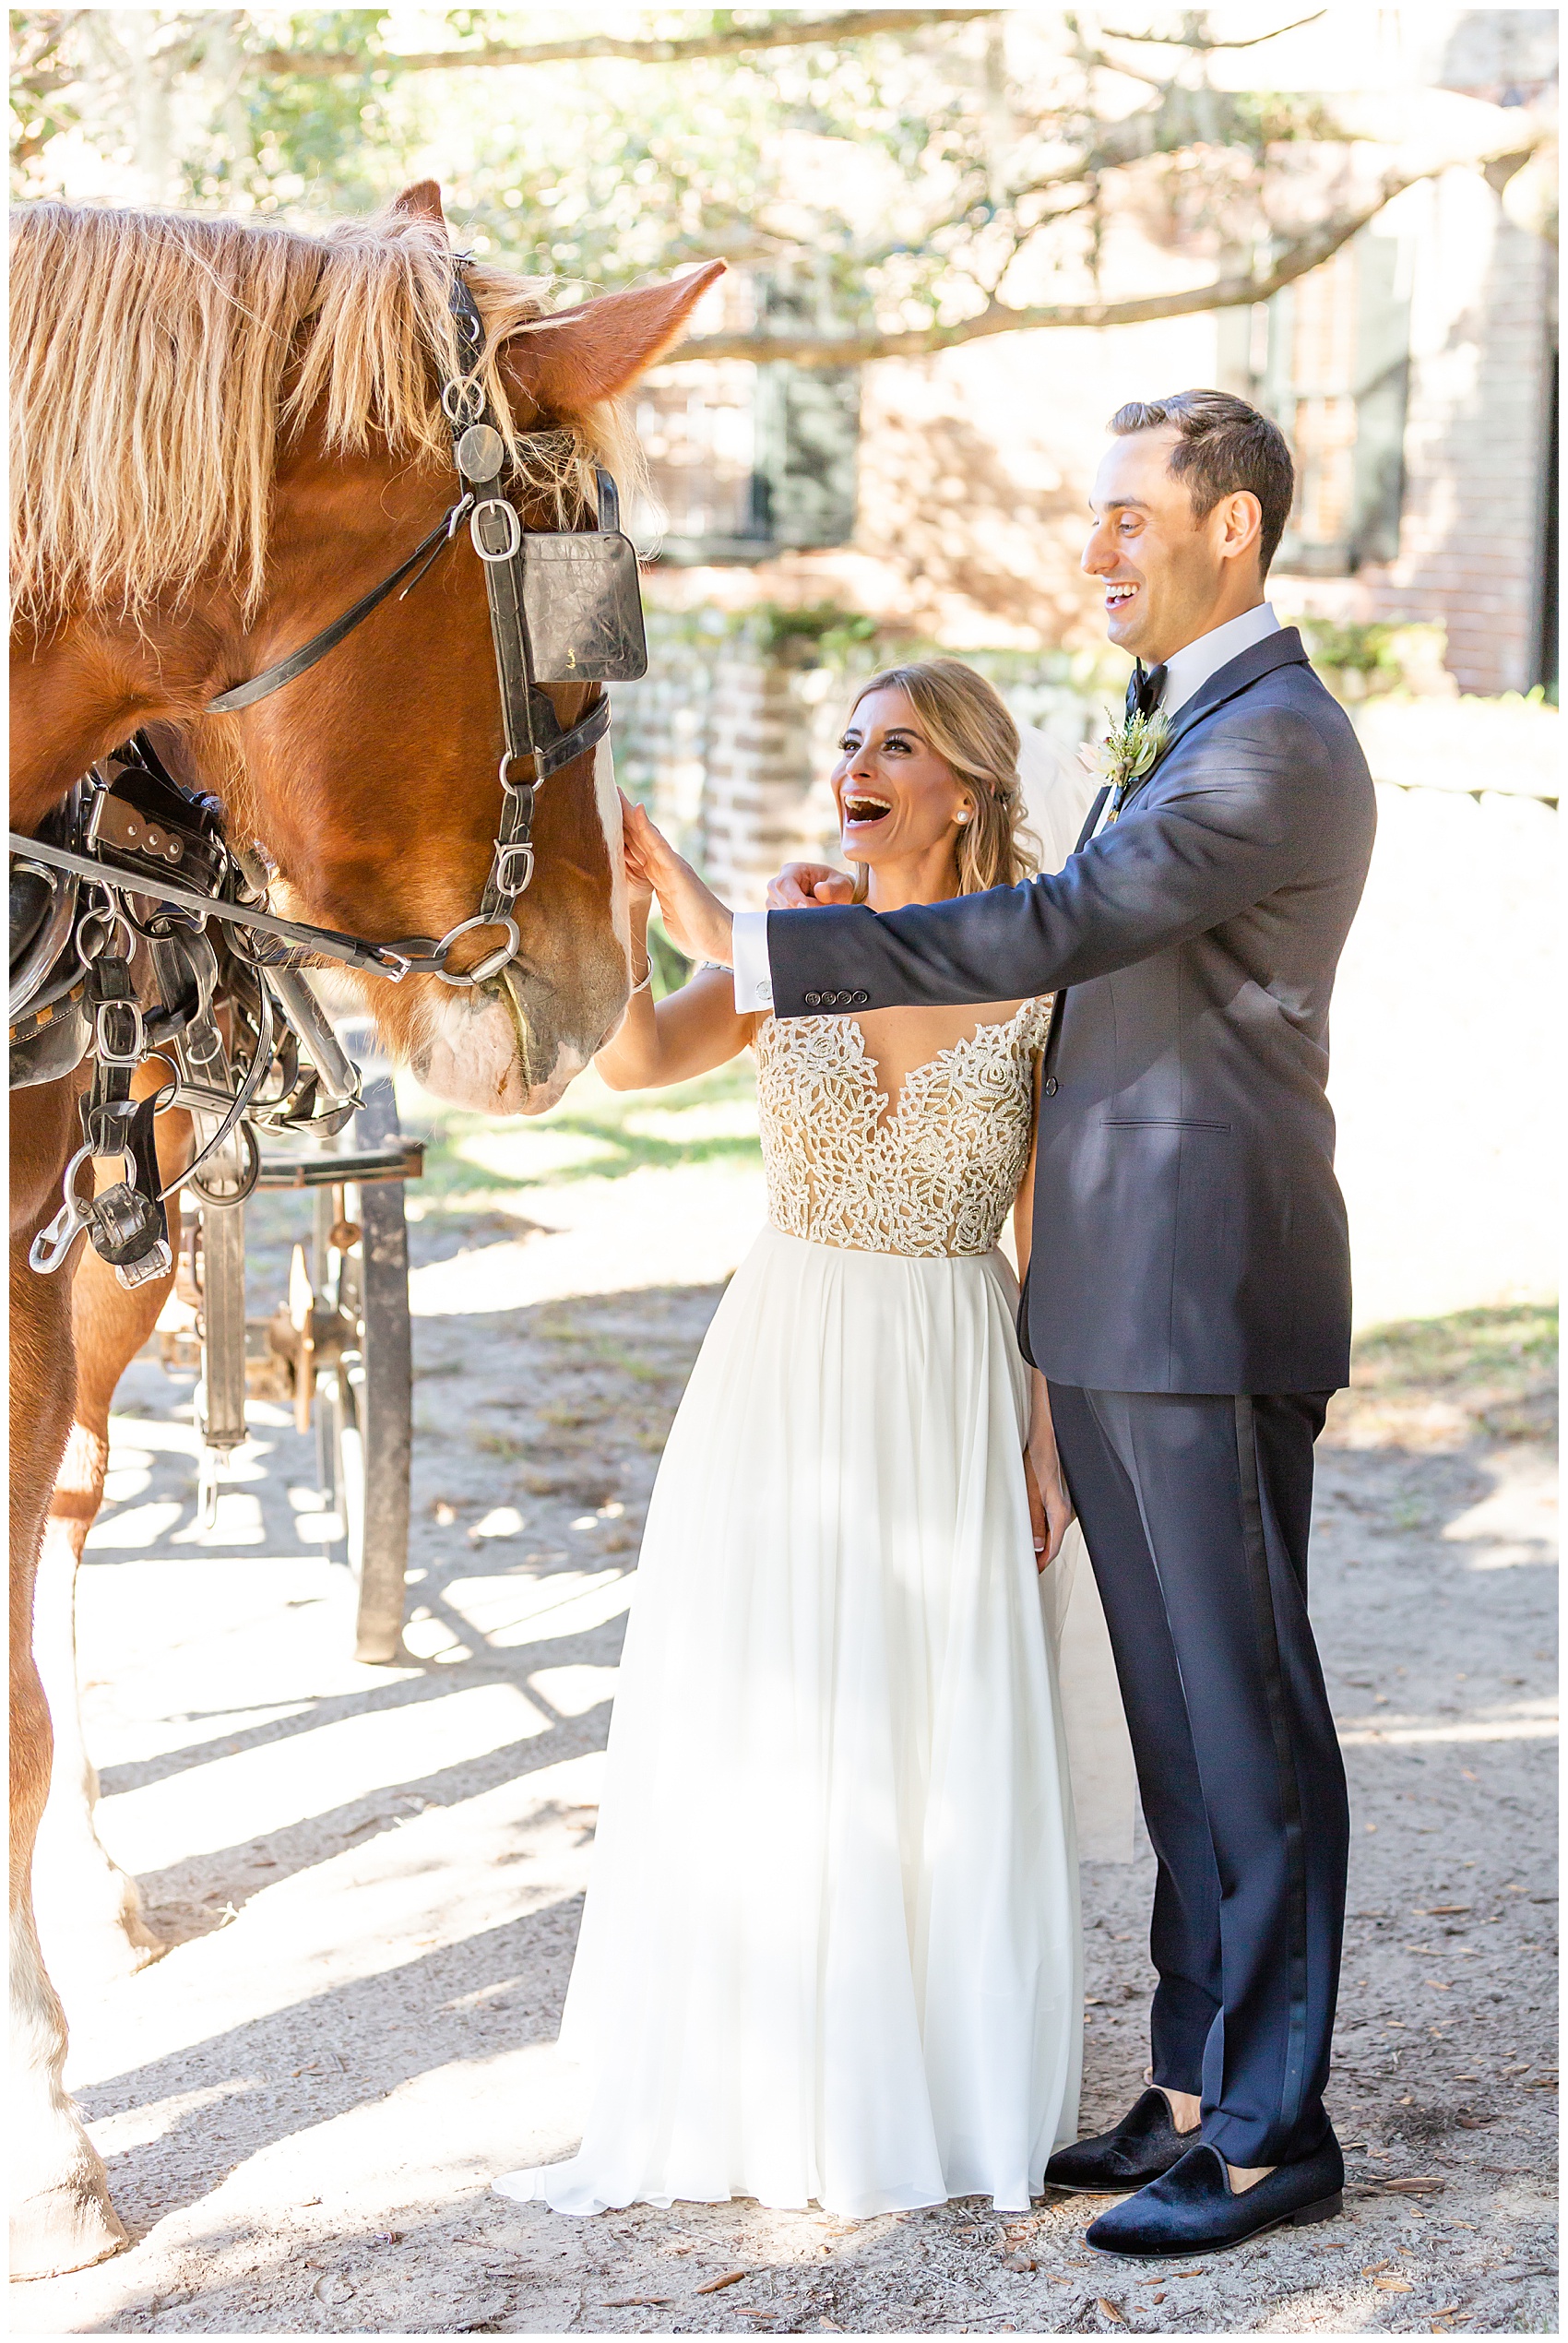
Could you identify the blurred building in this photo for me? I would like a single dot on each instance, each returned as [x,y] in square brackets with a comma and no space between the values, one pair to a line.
[1415,376]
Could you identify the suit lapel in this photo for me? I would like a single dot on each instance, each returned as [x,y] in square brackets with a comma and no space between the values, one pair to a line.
[1228,683]
[1091,819]
[1239,674]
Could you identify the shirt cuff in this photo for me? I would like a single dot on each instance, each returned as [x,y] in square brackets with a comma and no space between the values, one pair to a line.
[753,977]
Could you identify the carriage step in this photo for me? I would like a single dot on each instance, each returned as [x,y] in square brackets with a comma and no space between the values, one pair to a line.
[403,1160]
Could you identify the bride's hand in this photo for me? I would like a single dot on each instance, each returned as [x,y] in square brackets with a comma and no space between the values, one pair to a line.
[1051,1513]
[639,884]
[696,922]
[800,885]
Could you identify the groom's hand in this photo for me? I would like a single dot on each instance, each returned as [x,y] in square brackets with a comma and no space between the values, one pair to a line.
[800,885]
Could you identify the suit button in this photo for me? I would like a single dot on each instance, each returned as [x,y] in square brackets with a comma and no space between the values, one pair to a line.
[860,1000]
[1049,1086]
[814,1000]
[840,1000]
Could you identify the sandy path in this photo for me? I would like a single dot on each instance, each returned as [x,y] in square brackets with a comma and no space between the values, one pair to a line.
[372,1877]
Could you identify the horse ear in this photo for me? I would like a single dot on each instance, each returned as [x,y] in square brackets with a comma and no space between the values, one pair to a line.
[572,362]
[421,201]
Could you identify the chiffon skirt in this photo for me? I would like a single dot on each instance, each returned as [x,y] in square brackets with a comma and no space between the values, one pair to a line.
[831,1947]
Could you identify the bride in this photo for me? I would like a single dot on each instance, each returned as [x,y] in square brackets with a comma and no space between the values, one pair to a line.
[831,1945]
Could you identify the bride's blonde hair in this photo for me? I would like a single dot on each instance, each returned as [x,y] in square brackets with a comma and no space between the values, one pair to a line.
[966,723]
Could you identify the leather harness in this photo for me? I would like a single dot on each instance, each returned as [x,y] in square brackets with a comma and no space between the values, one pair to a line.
[565,607]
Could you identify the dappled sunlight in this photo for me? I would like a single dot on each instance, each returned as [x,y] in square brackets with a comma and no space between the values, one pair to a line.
[577,1690]
[139,1526]
[514,1610]
[372,1877]
[1519,1720]
[236,1522]
[520,1156]
[1516,1524]
[651,1228]
[264,1790]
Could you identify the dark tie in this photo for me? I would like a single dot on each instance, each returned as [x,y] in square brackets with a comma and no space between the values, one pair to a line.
[1143,689]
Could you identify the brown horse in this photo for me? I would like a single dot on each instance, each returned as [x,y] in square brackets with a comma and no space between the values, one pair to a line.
[224,435]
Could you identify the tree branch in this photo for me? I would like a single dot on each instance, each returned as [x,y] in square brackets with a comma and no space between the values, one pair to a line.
[792,31]
[1299,257]
[1201,43]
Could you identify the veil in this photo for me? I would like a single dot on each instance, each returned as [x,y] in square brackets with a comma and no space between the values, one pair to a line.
[1057,794]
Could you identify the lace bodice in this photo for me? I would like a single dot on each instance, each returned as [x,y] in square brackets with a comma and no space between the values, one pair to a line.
[937,1174]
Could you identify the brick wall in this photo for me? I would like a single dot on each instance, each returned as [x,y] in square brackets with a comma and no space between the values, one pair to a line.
[1471,538]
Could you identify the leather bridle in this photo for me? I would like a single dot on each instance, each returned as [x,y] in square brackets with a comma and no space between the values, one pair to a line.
[532,730]
[74,989]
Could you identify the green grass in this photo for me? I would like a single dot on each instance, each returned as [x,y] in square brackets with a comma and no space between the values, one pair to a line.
[1516,1345]
[1497,1367]
[595,1133]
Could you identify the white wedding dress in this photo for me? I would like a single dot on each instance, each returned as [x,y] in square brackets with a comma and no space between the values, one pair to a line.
[831,1945]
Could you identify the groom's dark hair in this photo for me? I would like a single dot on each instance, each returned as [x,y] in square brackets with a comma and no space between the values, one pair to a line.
[1225,445]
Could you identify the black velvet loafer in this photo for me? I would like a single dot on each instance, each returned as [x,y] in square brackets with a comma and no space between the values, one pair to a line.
[1193,2209]
[1144,2145]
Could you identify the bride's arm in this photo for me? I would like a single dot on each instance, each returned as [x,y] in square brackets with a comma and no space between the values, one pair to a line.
[687,1033]
[1051,1508]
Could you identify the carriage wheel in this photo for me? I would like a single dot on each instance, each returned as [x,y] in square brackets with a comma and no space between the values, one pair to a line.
[365,1418]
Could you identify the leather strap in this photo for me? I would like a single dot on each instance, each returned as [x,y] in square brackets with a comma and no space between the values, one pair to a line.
[284,671]
[381,960]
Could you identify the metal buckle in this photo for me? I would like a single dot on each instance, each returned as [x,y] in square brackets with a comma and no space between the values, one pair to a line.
[514,849]
[493,962]
[107,1053]
[514,544]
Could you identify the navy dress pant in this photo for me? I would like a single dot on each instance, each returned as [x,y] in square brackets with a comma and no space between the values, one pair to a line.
[1195,1510]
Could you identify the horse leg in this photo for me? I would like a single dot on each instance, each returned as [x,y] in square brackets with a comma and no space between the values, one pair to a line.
[89,1909]
[61,2216]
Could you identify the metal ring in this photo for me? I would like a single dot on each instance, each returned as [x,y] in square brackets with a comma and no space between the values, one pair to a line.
[92,947]
[514,530]
[493,962]
[462,402]
[246,1177]
[89,1155]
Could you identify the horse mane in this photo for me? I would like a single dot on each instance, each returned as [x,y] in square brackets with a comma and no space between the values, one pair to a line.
[161,362]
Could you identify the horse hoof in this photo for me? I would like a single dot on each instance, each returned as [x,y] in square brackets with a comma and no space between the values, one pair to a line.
[98,1958]
[92,1929]
[67,2228]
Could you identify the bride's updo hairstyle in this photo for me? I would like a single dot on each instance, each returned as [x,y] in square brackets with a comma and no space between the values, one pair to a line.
[967,725]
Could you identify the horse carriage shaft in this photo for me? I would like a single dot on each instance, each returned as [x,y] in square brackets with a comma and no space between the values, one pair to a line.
[339,1073]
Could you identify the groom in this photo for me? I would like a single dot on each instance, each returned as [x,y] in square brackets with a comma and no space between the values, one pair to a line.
[1188,1296]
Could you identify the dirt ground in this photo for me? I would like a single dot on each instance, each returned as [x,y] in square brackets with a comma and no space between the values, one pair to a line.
[371,1878]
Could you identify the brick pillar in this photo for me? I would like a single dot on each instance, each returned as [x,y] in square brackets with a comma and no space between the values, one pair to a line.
[766,797]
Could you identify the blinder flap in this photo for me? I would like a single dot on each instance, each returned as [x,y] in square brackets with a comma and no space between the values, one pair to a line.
[583,602]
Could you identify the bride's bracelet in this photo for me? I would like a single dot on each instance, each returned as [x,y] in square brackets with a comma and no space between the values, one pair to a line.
[645,979]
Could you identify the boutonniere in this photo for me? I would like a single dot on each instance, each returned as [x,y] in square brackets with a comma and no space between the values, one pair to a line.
[1127,754]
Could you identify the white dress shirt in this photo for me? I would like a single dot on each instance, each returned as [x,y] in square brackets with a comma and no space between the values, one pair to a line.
[1186,672]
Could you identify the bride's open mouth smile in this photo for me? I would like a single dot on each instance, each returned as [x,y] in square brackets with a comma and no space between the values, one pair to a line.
[862,811]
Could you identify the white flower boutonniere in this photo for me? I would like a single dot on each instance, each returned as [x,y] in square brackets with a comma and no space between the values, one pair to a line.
[1128,755]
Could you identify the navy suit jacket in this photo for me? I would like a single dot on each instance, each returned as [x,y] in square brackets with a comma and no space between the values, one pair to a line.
[1189,1234]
